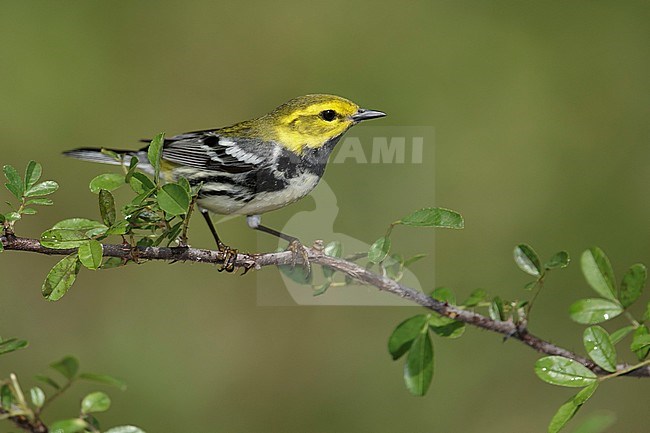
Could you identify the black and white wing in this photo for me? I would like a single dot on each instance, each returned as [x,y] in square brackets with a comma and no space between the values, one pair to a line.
[207,150]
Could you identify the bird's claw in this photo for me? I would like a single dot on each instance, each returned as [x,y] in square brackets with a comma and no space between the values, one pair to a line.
[229,258]
[299,251]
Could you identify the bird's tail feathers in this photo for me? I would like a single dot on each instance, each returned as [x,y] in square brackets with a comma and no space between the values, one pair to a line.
[110,156]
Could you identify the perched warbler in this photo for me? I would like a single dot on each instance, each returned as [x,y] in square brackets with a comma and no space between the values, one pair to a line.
[254,166]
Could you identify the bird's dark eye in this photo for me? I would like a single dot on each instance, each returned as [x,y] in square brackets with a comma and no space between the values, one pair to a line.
[328,115]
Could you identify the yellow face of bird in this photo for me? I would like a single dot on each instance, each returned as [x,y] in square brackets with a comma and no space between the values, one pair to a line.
[313,120]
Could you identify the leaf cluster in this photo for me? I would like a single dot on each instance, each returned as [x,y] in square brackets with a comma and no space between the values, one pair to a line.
[15,403]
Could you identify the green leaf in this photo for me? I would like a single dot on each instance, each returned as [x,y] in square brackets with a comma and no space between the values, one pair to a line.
[402,337]
[393,266]
[60,278]
[185,184]
[598,272]
[173,199]
[433,217]
[15,184]
[154,153]
[527,260]
[33,173]
[632,284]
[107,181]
[6,397]
[124,429]
[74,425]
[558,261]
[107,207]
[299,274]
[39,201]
[322,289]
[44,188]
[28,211]
[569,409]
[558,370]
[332,249]
[133,165]
[620,334]
[95,402]
[48,380]
[38,396]
[81,224]
[379,250]
[444,294]
[12,216]
[600,348]
[408,262]
[594,310]
[451,330]
[646,315]
[2,247]
[11,345]
[68,366]
[90,254]
[62,239]
[495,309]
[104,379]
[475,298]
[141,184]
[640,342]
[418,369]
[119,228]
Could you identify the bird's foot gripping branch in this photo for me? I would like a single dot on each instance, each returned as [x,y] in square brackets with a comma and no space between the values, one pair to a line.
[154,226]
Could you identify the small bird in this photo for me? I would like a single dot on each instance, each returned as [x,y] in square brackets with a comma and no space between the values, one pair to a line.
[254,166]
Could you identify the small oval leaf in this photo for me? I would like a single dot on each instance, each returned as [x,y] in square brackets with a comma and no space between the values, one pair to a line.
[173,199]
[68,366]
[433,217]
[44,188]
[107,207]
[107,181]
[62,239]
[402,337]
[95,402]
[558,370]
[598,272]
[90,254]
[74,425]
[632,284]
[154,153]
[60,278]
[559,260]
[641,342]
[379,250]
[38,396]
[569,409]
[33,173]
[527,260]
[600,348]
[418,369]
[594,310]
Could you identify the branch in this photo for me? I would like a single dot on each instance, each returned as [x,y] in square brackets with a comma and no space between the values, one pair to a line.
[316,255]
[24,423]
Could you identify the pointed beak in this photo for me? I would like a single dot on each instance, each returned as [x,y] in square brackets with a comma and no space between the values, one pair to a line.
[364,114]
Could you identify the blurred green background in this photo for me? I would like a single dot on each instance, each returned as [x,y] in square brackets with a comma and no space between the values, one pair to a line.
[541,114]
